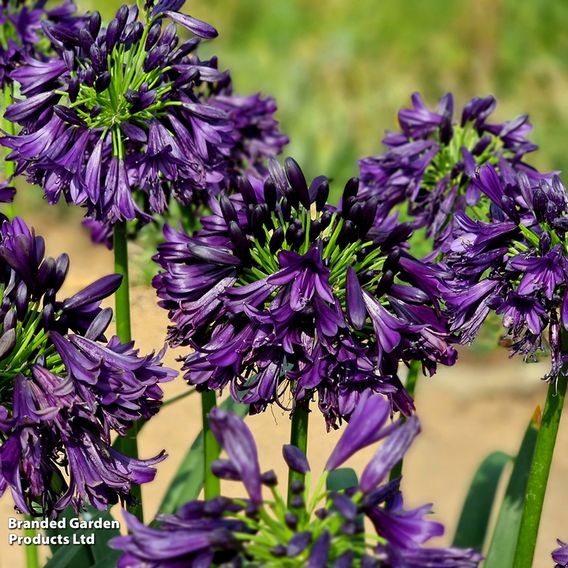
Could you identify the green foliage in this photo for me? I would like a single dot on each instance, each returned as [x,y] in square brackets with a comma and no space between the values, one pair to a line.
[476,512]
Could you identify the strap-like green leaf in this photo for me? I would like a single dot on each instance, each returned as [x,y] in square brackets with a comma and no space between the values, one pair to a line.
[476,511]
[67,556]
[188,480]
[504,541]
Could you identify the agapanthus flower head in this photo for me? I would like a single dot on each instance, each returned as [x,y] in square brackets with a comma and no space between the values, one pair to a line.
[123,120]
[281,295]
[429,164]
[560,555]
[318,529]
[21,33]
[513,262]
[64,388]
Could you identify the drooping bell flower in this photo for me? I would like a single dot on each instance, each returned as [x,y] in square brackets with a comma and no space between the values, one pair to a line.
[513,262]
[281,295]
[428,166]
[315,530]
[123,120]
[65,389]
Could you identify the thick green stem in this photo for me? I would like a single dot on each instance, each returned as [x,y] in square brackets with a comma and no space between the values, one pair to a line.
[211,448]
[298,438]
[410,386]
[32,557]
[539,472]
[127,445]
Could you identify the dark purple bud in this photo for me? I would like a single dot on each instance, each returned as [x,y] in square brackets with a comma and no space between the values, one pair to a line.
[155,57]
[186,77]
[279,551]
[295,459]
[88,76]
[321,513]
[356,311]
[269,478]
[21,300]
[69,115]
[348,233]
[47,316]
[325,219]
[270,193]
[240,241]
[251,511]
[351,188]
[285,209]
[132,34]
[112,35]
[73,89]
[224,469]
[222,539]
[44,275]
[102,82]
[398,235]
[539,204]
[134,132]
[169,35]
[481,146]
[298,543]
[345,506]
[216,507]
[322,194]
[199,28]
[95,111]
[276,240]
[85,40]
[320,551]
[99,58]
[291,520]
[10,319]
[246,190]
[385,283]
[184,49]
[99,325]
[227,209]
[69,59]
[544,244]
[94,292]
[153,35]
[297,486]
[297,181]
[315,230]
[94,24]
[121,16]
[7,342]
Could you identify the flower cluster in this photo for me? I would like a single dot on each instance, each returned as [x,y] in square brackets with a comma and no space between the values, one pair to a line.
[319,529]
[515,263]
[127,117]
[281,295]
[64,389]
[560,555]
[428,166]
[21,33]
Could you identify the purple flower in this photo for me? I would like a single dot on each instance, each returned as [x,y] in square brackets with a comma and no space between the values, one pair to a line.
[67,389]
[21,22]
[512,262]
[216,532]
[126,118]
[281,294]
[560,555]
[430,164]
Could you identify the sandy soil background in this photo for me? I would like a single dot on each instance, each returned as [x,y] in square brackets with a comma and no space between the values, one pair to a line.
[480,406]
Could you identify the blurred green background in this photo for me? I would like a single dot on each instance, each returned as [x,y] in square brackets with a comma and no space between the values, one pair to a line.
[340,69]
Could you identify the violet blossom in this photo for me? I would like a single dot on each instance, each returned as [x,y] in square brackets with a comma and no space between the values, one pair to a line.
[560,555]
[127,118]
[281,296]
[64,388]
[317,530]
[427,166]
[512,262]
